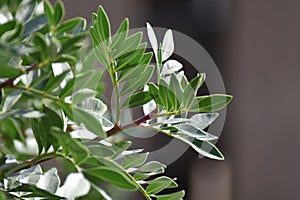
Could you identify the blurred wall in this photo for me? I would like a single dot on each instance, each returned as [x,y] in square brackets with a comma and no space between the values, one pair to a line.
[262,60]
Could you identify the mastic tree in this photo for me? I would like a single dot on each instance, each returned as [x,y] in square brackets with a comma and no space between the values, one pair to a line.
[52,106]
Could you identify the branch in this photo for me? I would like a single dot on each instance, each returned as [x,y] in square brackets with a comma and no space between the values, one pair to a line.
[117,129]
[10,82]
[8,169]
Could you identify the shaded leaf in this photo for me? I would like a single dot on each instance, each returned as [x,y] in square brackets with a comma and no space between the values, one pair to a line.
[173,196]
[34,25]
[159,184]
[69,25]
[204,148]
[134,160]
[59,10]
[138,82]
[152,166]
[89,120]
[137,99]
[210,103]
[128,46]
[121,34]
[112,176]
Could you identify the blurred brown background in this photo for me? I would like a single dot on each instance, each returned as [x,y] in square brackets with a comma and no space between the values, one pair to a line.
[256,46]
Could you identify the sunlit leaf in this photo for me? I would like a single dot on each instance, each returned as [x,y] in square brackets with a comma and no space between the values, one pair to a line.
[152,39]
[167,47]
[11,100]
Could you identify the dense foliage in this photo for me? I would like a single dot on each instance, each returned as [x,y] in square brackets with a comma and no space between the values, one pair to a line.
[51,98]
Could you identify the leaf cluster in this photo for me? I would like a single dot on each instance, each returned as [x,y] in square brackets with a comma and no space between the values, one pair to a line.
[51,106]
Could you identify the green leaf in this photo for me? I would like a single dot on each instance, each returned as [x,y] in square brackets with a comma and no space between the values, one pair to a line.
[197,82]
[137,70]
[210,103]
[173,196]
[34,192]
[34,25]
[82,94]
[65,58]
[90,80]
[71,146]
[184,82]
[68,89]
[14,35]
[11,128]
[168,98]
[188,97]
[7,71]
[137,99]
[55,81]
[134,160]
[128,46]
[169,128]
[49,11]
[43,46]
[50,120]
[204,148]
[138,82]
[68,25]
[11,100]
[121,34]
[112,176]
[96,192]
[157,185]
[59,10]
[43,126]
[110,163]
[70,44]
[8,26]
[175,87]
[131,60]
[89,120]
[38,137]
[102,27]
[97,149]
[152,166]
[100,49]
[93,105]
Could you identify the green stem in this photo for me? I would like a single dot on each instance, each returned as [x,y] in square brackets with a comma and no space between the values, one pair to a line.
[37,92]
[114,80]
[141,189]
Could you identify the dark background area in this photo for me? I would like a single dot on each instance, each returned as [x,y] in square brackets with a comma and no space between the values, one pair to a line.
[256,46]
